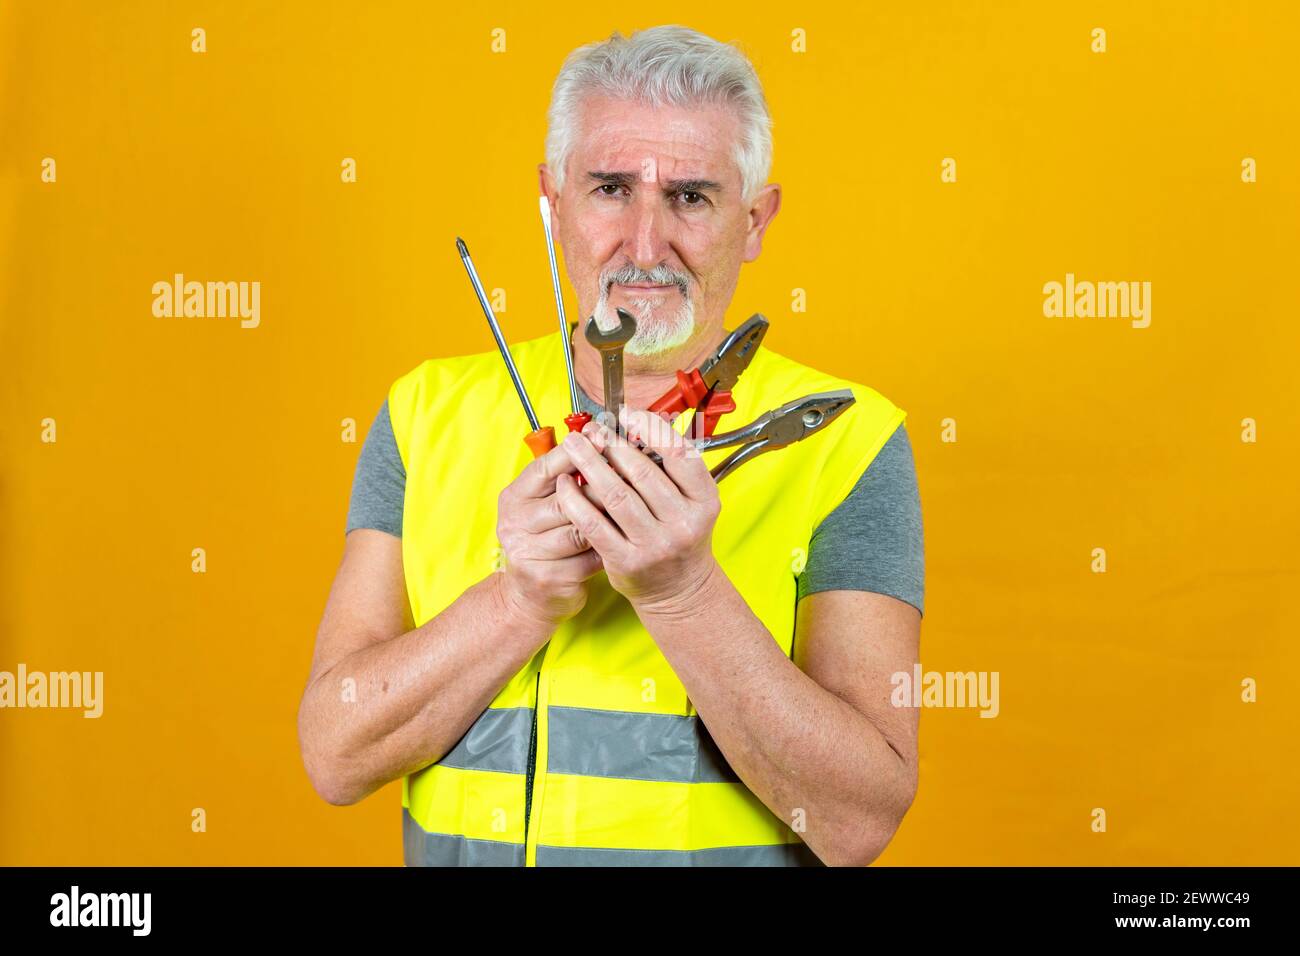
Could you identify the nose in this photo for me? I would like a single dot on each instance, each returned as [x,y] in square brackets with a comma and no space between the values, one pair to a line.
[648,239]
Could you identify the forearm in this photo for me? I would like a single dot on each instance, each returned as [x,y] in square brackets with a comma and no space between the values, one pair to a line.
[411,698]
[811,757]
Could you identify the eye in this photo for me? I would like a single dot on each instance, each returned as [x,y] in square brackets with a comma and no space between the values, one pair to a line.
[609,186]
[690,197]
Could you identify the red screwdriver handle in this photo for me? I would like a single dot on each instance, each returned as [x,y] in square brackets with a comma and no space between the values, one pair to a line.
[576,422]
[540,441]
[543,440]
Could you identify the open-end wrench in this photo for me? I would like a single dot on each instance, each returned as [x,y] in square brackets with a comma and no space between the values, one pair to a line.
[610,345]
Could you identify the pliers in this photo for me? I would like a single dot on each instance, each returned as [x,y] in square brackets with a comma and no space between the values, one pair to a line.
[794,421]
[707,389]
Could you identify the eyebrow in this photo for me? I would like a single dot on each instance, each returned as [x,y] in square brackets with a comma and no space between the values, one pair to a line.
[673,185]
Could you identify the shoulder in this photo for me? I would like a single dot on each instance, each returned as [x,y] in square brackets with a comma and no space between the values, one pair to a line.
[477,370]
[888,485]
[895,457]
[379,482]
[433,374]
[438,386]
[872,412]
[854,440]
[874,540]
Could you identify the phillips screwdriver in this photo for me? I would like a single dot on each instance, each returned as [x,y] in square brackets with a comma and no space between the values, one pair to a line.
[541,439]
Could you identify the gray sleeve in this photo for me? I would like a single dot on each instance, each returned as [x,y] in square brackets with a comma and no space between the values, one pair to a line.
[379,485]
[873,540]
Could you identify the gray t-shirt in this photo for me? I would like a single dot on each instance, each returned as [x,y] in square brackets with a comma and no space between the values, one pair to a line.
[872,541]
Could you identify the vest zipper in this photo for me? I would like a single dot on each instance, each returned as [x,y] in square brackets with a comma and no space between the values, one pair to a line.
[532,757]
[535,778]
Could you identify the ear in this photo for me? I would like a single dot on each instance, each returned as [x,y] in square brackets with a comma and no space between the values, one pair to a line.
[764,208]
[546,183]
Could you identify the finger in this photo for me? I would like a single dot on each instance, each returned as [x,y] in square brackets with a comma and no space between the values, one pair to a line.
[637,469]
[621,500]
[537,480]
[580,566]
[536,515]
[682,463]
[577,568]
[592,495]
[604,536]
[562,542]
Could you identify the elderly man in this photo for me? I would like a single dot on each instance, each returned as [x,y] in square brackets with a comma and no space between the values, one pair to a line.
[653,667]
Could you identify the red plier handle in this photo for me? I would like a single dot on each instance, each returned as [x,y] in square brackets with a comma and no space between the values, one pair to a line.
[691,392]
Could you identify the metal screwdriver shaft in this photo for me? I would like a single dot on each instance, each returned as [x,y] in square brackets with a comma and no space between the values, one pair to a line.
[577,419]
[544,205]
[540,439]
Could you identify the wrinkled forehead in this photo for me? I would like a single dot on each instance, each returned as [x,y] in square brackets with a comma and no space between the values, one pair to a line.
[658,143]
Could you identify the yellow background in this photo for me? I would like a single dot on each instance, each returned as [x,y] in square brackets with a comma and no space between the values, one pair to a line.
[1119,690]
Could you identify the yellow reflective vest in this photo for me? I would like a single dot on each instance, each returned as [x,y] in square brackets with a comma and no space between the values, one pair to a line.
[593,754]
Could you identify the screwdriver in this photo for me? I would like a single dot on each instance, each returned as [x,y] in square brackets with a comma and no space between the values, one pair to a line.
[541,439]
[579,418]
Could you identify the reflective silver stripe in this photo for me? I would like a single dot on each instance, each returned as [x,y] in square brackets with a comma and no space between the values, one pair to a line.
[422,848]
[498,741]
[615,743]
[780,854]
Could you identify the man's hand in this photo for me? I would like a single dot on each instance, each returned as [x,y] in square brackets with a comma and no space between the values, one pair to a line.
[548,561]
[656,533]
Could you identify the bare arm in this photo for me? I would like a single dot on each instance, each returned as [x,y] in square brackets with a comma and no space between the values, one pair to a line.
[816,739]
[414,692]
[384,699]
[821,746]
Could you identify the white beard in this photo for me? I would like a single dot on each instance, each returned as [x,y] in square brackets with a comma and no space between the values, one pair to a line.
[652,337]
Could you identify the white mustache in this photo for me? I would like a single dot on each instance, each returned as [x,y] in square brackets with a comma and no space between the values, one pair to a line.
[659,275]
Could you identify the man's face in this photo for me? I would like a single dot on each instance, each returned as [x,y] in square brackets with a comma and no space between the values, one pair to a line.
[652,220]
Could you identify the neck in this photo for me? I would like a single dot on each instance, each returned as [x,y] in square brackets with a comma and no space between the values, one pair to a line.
[645,377]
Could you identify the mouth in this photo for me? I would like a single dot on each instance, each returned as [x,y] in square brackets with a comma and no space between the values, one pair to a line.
[646,287]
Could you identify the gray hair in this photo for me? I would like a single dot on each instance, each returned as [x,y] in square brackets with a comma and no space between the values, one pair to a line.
[663,66]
